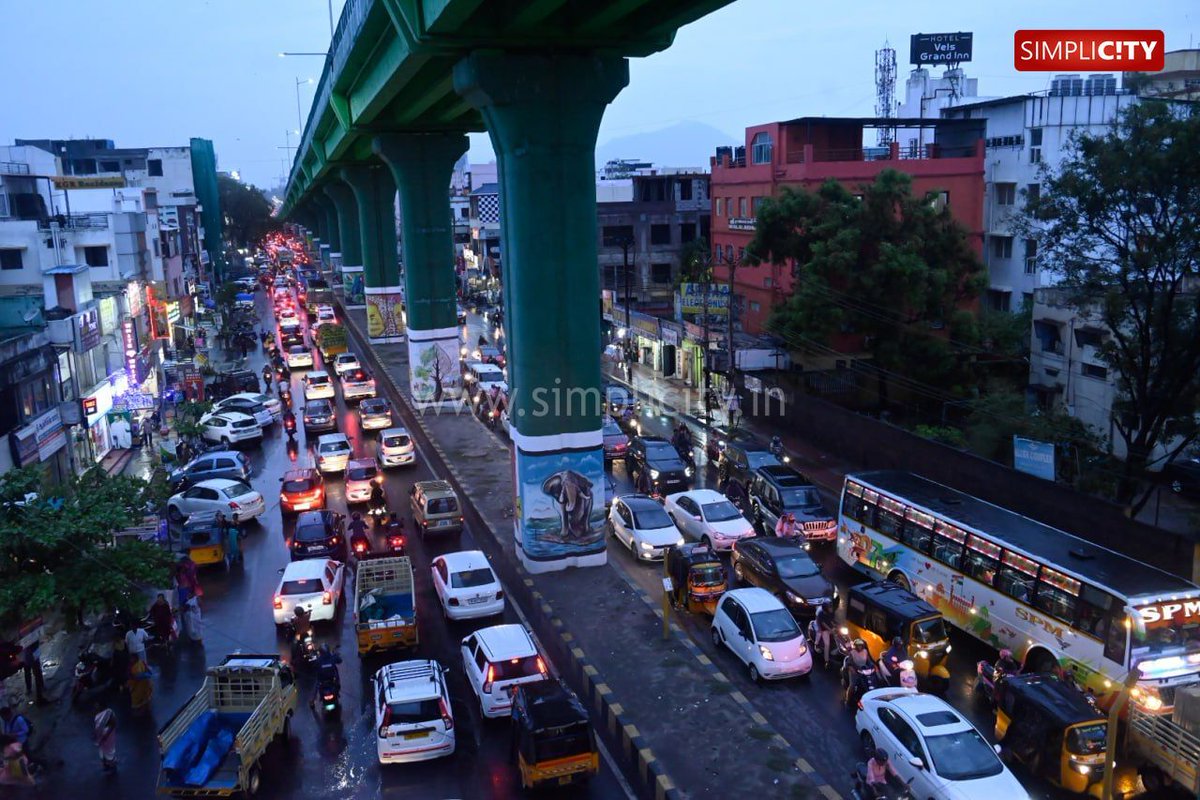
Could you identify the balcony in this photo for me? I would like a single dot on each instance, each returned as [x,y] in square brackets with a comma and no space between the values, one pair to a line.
[14,168]
[95,221]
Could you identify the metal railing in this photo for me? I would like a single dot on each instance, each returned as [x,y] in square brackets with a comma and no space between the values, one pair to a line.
[94,221]
[14,168]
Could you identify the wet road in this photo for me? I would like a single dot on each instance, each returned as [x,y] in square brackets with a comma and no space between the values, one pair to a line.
[327,758]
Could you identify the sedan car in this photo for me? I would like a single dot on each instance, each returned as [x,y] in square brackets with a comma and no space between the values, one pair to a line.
[933,747]
[345,362]
[252,404]
[357,384]
[317,386]
[784,568]
[361,475]
[299,356]
[319,534]
[230,427]
[302,490]
[319,416]
[315,584]
[757,629]
[707,516]
[466,586]
[640,523]
[217,494]
[616,443]
[375,413]
[396,447]
[333,452]
[287,314]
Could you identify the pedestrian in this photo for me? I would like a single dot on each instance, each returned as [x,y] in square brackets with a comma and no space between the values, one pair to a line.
[233,536]
[31,665]
[104,733]
[120,664]
[141,685]
[186,579]
[16,764]
[135,642]
[14,724]
[193,620]
[147,434]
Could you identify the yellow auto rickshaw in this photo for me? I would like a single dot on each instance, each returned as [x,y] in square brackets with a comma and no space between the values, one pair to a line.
[553,740]
[697,578]
[879,611]
[1053,730]
[203,540]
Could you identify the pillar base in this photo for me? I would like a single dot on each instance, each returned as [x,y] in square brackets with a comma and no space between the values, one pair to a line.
[559,483]
[353,288]
[434,376]
[335,261]
[385,324]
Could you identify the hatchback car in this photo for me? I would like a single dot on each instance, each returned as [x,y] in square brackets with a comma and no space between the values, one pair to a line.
[319,416]
[230,427]
[357,384]
[361,475]
[333,452]
[707,516]
[784,568]
[264,408]
[319,534]
[345,362]
[756,627]
[435,507]
[396,447]
[497,658]
[933,747]
[414,720]
[301,490]
[315,584]
[317,386]
[658,457]
[639,522]
[616,443]
[217,494]
[466,586]
[299,356]
[229,464]
[375,413]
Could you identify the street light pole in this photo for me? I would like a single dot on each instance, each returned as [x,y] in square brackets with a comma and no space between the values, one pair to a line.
[299,118]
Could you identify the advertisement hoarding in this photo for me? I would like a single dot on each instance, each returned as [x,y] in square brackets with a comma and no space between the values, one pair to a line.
[940,48]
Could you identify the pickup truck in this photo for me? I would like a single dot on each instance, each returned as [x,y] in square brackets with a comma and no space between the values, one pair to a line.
[1163,750]
[331,340]
[385,614]
[212,746]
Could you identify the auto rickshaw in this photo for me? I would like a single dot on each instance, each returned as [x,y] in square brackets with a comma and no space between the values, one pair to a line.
[879,611]
[553,740]
[1052,729]
[697,578]
[203,540]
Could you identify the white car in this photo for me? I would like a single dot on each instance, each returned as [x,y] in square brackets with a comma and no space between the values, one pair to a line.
[496,659]
[325,316]
[707,516]
[396,447]
[762,633]
[333,452]
[318,386]
[357,385]
[345,362]
[217,494]
[237,402]
[466,586]
[287,315]
[315,584]
[244,403]
[299,356]
[361,474]
[229,427]
[934,747]
[414,720]
[247,284]
[640,523]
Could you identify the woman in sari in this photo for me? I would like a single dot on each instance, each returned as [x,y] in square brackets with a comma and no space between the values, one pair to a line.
[141,686]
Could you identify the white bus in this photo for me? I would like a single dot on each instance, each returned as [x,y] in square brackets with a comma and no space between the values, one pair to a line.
[1050,597]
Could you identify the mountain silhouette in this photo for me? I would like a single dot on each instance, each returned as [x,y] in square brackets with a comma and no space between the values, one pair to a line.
[684,144]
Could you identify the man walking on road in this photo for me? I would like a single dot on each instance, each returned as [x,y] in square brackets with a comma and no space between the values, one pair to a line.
[31,664]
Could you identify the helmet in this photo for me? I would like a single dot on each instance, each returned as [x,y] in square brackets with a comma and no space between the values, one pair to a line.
[897,641]
[859,644]
[356,515]
[880,755]
[1006,653]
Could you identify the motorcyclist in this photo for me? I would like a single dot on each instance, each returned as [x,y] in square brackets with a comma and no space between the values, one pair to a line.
[378,501]
[301,625]
[266,375]
[776,446]
[395,527]
[880,774]
[358,532]
[289,421]
[889,662]
[1005,665]
[327,672]
[825,626]
[285,372]
[859,659]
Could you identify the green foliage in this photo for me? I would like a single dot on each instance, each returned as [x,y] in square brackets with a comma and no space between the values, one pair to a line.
[187,417]
[942,433]
[247,211]
[695,263]
[226,297]
[1121,221]
[57,549]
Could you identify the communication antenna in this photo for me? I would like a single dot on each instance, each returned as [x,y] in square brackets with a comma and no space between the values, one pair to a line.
[885,91]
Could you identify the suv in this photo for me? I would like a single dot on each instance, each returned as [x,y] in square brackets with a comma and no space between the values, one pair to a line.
[785,569]
[357,384]
[498,658]
[230,427]
[227,384]
[435,505]
[302,490]
[667,471]
[218,464]
[413,716]
[479,378]
[739,460]
[319,534]
[777,488]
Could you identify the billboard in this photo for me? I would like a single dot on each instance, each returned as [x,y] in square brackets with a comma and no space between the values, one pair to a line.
[691,298]
[1034,457]
[940,48]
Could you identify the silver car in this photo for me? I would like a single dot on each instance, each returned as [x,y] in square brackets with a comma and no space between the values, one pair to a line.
[375,413]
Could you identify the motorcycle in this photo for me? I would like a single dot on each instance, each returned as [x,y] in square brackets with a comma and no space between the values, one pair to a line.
[92,672]
[896,788]
[304,648]
[865,678]
[987,675]
[839,643]
[329,689]
[360,545]
[289,425]
[492,416]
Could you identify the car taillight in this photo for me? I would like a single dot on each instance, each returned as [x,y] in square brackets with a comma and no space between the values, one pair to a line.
[278,601]
[447,720]
[453,601]
[500,594]
[327,598]
[490,678]
[334,540]
[234,505]
[541,665]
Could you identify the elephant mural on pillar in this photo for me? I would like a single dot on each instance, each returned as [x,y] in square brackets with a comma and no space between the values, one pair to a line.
[560,508]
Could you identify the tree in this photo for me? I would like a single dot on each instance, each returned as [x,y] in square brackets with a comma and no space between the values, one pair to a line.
[1121,221]
[247,211]
[888,265]
[57,550]
[695,263]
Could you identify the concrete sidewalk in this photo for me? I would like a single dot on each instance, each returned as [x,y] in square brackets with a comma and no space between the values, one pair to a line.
[665,711]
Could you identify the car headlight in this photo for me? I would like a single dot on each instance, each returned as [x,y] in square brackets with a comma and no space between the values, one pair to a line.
[922,654]
[835,594]
[647,546]
[803,649]
[688,471]
[795,598]
[654,474]
[949,647]
[679,542]
[766,652]
[1082,769]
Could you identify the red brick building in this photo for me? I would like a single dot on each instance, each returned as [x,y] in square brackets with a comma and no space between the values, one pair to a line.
[806,152]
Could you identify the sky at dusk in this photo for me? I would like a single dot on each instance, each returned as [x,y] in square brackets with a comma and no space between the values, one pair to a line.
[156,74]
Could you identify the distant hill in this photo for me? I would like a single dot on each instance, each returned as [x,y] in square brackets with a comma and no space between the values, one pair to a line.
[684,144]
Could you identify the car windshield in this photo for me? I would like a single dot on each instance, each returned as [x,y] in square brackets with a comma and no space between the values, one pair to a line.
[707,575]
[414,711]
[312,532]
[375,407]
[776,625]
[797,566]
[512,668]
[1087,740]
[335,447]
[929,631]
[651,517]
[470,578]
[298,350]
[660,451]
[398,440]
[804,497]
[611,428]
[301,586]
[963,756]
[316,408]
[363,473]
[442,505]
[300,485]
[236,490]
[760,458]
[721,511]
[318,380]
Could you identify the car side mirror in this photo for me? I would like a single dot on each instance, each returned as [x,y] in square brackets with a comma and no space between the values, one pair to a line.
[996,747]
[281,479]
[916,762]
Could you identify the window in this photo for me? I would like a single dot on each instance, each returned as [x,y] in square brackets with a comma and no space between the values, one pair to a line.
[686,189]
[10,258]
[1006,194]
[1031,250]
[983,560]
[729,253]
[660,273]
[110,166]
[154,167]
[1094,611]
[720,207]
[1093,371]
[1033,192]
[1017,576]
[1002,246]
[614,235]
[760,148]
[903,732]
[890,518]
[755,306]
[948,544]
[1035,145]
[1057,594]
[852,502]
[756,204]
[938,201]
[687,233]
[1088,337]
[918,532]
[96,256]
[742,207]
[660,234]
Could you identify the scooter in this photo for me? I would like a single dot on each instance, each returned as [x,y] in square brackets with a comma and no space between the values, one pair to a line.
[92,672]
[839,643]
[864,679]
[896,789]
[304,648]
[289,425]
[329,690]
[395,539]
[987,675]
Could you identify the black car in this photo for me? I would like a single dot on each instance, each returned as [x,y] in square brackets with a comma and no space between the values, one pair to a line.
[667,471]
[784,568]
[291,337]
[319,416]
[229,464]
[319,534]
[740,460]
[776,489]
[617,399]
[1182,475]
[233,382]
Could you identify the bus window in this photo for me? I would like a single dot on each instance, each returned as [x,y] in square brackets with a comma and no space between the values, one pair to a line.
[1057,595]
[983,560]
[1116,642]
[1093,614]
[852,502]
[948,544]
[890,518]
[918,531]
[1017,576]
[870,501]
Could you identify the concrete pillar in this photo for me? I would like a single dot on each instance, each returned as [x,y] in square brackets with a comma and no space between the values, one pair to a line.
[375,193]
[346,208]
[332,236]
[542,113]
[421,164]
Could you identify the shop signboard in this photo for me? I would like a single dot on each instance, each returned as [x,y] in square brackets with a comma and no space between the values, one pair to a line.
[1033,457]
[87,330]
[644,325]
[741,223]
[108,314]
[173,313]
[133,293]
[133,401]
[691,298]
[129,341]
[670,333]
[101,398]
[40,439]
